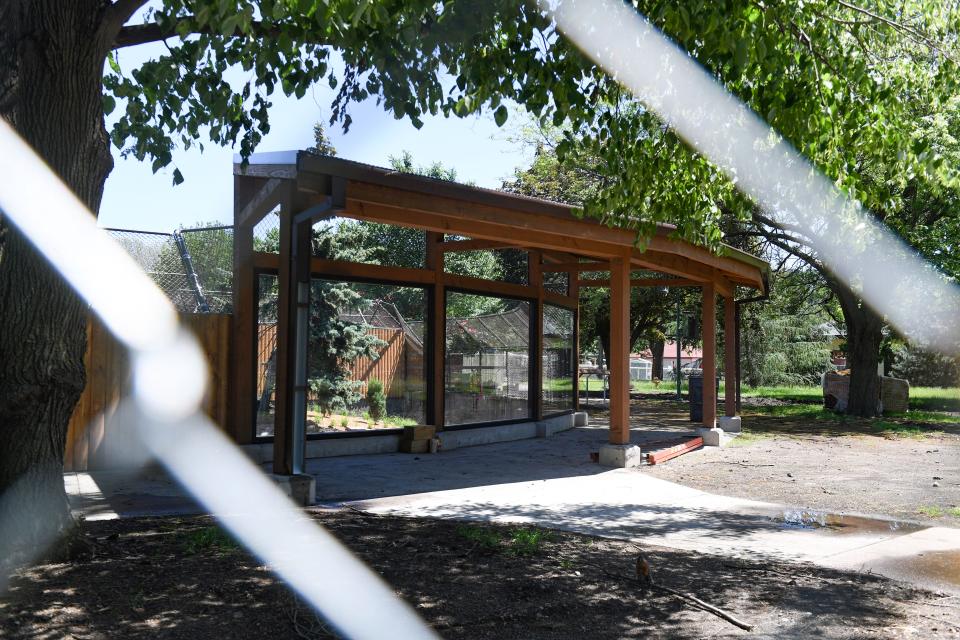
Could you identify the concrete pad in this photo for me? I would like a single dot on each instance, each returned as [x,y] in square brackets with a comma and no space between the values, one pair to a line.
[729,424]
[301,488]
[552,483]
[621,455]
[713,437]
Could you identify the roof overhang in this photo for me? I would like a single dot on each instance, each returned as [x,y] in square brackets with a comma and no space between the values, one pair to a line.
[383,195]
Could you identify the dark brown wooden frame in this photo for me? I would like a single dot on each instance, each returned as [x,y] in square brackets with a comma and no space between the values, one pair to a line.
[307,186]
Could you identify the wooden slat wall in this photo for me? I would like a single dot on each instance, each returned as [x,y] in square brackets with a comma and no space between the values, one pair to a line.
[384,368]
[107,376]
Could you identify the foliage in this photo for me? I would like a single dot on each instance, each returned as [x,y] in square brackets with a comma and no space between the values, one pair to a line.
[334,343]
[781,349]
[211,538]
[376,400]
[481,536]
[526,541]
[321,142]
[925,368]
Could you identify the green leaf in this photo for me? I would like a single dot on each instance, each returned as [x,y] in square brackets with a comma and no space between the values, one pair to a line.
[500,115]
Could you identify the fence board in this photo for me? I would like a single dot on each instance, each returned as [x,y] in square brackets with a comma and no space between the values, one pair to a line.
[107,375]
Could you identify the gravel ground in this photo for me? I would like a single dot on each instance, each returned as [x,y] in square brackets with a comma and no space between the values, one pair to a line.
[174,578]
[916,478]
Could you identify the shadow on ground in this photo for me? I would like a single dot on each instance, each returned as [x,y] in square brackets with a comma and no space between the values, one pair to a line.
[142,582]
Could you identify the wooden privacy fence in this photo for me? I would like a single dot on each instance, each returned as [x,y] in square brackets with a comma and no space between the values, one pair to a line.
[107,368]
[397,361]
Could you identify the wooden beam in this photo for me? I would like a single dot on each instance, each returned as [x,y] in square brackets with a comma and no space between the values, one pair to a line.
[703,256]
[619,364]
[730,357]
[261,202]
[477,228]
[641,282]
[243,363]
[283,417]
[436,332]
[357,270]
[493,287]
[478,245]
[573,289]
[577,266]
[567,302]
[535,278]
[709,356]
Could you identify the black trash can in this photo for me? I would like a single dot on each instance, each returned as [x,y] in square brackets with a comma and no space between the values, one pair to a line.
[696,397]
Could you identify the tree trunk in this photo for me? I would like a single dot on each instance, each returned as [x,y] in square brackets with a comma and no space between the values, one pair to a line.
[864,334]
[51,63]
[656,349]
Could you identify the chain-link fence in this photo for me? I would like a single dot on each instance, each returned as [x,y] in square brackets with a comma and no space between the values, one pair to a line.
[194,267]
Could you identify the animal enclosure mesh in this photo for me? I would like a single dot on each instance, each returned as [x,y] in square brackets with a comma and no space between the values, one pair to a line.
[208,251]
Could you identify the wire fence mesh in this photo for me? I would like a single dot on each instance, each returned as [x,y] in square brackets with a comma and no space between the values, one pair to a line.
[197,276]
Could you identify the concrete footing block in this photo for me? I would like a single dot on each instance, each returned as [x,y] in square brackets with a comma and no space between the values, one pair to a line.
[302,488]
[713,437]
[581,419]
[621,456]
[730,424]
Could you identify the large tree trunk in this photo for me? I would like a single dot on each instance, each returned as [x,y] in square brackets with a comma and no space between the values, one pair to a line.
[656,350]
[51,63]
[864,334]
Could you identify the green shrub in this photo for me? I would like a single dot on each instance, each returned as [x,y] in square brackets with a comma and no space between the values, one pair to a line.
[376,400]
[211,538]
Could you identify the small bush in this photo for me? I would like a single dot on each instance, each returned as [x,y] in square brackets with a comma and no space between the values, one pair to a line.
[486,538]
[376,400]
[209,539]
[528,542]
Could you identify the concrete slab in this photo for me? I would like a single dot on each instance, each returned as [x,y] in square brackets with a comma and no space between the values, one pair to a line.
[730,424]
[551,482]
[622,456]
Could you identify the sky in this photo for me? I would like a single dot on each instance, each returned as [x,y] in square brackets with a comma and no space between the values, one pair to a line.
[136,198]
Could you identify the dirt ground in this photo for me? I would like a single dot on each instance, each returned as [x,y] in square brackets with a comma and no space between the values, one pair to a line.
[177,578]
[844,467]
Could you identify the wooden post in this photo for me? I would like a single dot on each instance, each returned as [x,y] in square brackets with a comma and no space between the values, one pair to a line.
[709,356]
[436,332]
[573,290]
[286,304]
[619,364]
[730,357]
[244,360]
[535,279]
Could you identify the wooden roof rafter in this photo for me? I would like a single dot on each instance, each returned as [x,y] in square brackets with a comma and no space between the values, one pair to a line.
[497,220]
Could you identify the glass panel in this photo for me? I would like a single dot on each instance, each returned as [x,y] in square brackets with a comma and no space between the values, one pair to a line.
[369,243]
[267,302]
[363,336]
[504,265]
[558,369]
[487,360]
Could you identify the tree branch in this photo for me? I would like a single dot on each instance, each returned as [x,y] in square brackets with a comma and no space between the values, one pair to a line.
[136,34]
[913,34]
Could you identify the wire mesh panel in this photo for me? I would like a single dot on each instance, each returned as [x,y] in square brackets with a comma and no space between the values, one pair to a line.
[558,365]
[197,274]
[487,360]
[266,233]
[211,255]
[159,256]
